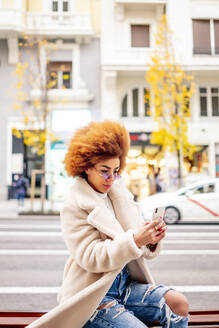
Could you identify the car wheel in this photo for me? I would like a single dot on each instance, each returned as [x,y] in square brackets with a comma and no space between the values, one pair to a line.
[172,215]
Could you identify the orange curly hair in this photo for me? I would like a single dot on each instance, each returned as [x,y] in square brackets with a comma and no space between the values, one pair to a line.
[95,142]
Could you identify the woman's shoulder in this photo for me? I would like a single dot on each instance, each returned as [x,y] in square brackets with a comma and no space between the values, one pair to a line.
[81,195]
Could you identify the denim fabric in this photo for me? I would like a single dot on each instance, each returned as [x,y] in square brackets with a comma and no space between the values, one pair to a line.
[128,303]
[120,284]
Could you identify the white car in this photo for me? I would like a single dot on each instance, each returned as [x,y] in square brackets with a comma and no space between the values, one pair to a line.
[197,202]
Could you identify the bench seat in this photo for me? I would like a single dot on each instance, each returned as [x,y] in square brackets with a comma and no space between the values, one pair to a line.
[198,318]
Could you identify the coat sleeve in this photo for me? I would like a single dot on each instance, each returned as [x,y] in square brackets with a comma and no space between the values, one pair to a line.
[87,247]
[148,254]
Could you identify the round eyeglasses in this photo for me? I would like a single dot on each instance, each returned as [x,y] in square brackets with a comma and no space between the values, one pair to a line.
[106,175]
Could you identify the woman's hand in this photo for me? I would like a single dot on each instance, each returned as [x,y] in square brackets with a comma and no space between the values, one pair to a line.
[150,233]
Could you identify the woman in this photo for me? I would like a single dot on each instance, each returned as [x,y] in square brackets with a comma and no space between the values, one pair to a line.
[106,281]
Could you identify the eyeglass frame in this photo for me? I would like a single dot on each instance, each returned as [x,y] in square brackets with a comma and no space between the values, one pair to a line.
[108,176]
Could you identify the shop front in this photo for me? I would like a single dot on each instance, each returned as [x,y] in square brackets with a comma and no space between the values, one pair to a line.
[150,170]
[145,165]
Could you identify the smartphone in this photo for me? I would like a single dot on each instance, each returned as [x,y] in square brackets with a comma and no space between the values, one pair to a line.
[158,212]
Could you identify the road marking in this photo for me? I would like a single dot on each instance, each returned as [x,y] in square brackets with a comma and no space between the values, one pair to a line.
[29,290]
[55,290]
[58,226]
[193,234]
[29,226]
[190,252]
[40,252]
[31,233]
[59,233]
[197,288]
[34,252]
[190,241]
[196,227]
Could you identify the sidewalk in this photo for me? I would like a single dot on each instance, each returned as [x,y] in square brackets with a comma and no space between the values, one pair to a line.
[9,209]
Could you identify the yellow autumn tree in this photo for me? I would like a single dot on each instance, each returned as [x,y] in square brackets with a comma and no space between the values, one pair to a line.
[171,90]
[31,97]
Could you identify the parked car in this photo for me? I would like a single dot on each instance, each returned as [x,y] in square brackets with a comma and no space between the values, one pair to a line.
[197,202]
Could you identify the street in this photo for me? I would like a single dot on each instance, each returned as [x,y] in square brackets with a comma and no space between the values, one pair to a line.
[33,254]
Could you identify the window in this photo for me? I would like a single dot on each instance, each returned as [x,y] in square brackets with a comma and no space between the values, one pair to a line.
[135,102]
[203,101]
[65,7]
[55,6]
[59,75]
[209,101]
[140,36]
[124,106]
[210,188]
[199,190]
[201,36]
[216,36]
[214,101]
[134,105]
[205,36]
[204,189]
[60,6]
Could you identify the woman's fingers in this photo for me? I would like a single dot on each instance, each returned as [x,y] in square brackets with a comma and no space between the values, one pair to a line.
[160,225]
[151,232]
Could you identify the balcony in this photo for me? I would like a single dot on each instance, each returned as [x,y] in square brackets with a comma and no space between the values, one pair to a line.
[142,1]
[63,98]
[46,24]
[11,20]
[146,4]
[65,24]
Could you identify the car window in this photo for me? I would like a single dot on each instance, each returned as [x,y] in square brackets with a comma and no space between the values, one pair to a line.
[205,188]
[202,189]
[198,190]
[210,188]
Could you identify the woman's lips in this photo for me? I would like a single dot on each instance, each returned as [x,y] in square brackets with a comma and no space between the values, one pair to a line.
[107,186]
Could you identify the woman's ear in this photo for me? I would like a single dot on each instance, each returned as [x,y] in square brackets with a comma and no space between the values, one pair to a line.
[87,171]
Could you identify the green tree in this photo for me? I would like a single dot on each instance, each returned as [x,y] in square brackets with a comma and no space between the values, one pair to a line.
[171,89]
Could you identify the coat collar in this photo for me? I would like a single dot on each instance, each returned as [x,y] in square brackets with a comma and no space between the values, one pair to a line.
[87,198]
[98,214]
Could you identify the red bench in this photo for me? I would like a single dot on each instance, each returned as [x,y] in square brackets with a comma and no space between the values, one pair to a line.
[199,318]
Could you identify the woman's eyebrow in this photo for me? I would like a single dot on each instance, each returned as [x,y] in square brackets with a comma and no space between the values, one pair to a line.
[107,167]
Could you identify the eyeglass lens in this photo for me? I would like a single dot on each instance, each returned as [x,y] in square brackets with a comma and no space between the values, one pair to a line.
[106,176]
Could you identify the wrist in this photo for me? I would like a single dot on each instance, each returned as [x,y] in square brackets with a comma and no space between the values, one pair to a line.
[136,241]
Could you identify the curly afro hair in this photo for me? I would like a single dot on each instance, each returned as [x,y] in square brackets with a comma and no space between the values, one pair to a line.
[95,142]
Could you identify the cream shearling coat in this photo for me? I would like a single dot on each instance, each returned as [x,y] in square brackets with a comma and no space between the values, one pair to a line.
[100,245]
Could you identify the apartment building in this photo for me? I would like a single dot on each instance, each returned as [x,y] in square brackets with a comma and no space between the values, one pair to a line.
[73,26]
[127,42]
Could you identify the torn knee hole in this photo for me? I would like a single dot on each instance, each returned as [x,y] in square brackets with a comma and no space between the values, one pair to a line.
[119,311]
[152,287]
[106,305]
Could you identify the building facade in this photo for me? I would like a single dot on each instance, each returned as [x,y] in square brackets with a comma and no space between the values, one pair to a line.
[127,42]
[105,47]
[73,27]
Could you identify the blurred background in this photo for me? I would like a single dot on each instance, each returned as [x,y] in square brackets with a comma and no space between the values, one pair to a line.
[100,53]
[151,65]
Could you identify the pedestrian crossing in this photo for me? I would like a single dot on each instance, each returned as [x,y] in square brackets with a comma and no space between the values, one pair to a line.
[38,270]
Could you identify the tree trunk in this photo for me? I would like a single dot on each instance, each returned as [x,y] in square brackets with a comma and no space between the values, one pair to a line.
[179,160]
[43,186]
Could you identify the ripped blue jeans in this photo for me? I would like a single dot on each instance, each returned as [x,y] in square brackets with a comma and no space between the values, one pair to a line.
[128,304]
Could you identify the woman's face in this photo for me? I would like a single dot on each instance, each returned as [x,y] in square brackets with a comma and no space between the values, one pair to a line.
[102,175]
